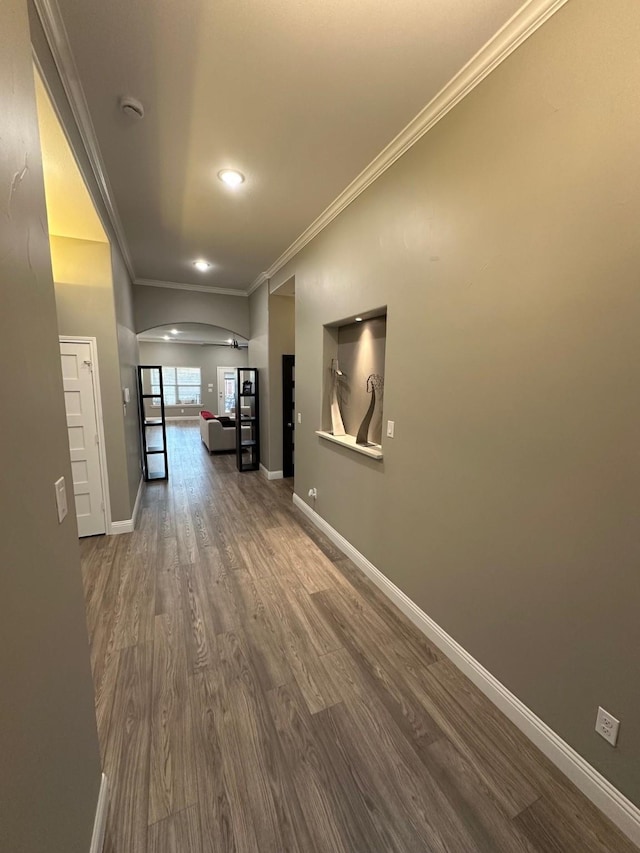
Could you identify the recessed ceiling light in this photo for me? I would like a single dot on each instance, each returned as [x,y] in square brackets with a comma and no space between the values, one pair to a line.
[231,178]
[202,266]
[358,319]
[166,337]
[174,331]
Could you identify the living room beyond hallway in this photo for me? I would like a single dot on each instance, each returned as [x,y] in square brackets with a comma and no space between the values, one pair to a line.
[255,692]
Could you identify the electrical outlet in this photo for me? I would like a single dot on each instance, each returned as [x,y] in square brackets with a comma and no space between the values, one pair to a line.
[313,493]
[607,726]
[391,425]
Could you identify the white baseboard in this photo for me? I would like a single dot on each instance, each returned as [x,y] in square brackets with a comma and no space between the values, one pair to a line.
[136,505]
[599,790]
[117,527]
[184,418]
[271,475]
[129,524]
[100,822]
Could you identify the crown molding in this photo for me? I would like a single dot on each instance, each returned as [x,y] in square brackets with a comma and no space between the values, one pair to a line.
[199,288]
[517,30]
[58,40]
[262,278]
[529,18]
[256,284]
[197,343]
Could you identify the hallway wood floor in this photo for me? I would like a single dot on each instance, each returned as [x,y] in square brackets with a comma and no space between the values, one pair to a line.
[254,692]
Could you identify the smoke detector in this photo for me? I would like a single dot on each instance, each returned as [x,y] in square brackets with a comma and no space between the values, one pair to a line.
[131,107]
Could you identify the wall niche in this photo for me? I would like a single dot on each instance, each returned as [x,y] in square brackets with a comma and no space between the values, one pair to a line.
[354,363]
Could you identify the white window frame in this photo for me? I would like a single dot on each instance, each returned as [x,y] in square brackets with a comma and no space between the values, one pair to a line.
[177,385]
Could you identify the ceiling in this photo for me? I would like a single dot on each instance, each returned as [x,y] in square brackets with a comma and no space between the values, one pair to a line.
[191,333]
[299,95]
[70,210]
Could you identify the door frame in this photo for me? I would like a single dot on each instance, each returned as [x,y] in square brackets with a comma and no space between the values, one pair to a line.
[97,402]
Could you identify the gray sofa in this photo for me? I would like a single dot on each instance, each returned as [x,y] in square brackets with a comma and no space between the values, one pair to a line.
[218,436]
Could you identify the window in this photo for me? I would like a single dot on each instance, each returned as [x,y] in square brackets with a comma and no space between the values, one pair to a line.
[181,386]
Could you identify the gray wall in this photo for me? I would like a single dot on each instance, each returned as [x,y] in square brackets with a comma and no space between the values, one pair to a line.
[84,289]
[127,470]
[282,341]
[160,306]
[259,357]
[505,245]
[207,358]
[272,336]
[128,358]
[48,742]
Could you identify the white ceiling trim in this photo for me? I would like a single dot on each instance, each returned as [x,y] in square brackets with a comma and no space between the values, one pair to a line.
[241,344]
[58,40]
[517,29]
[264,276]
[528,19]
[200,288]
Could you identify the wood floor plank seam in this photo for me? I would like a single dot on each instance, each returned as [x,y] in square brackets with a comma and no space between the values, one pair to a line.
[174,813]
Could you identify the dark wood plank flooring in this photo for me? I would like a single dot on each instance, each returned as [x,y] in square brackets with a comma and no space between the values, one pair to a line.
[254,692]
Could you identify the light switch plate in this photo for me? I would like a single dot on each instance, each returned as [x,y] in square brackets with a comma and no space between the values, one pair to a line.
[61,499]
[299,417]
[391,425]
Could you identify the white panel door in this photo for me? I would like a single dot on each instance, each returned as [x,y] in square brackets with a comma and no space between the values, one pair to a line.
[79,400]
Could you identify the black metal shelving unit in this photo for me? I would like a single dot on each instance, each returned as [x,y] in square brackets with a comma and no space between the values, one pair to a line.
[247,419]
[152,427]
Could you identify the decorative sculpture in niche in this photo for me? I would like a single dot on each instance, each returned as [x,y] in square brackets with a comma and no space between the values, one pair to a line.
[374,382]
[337,424]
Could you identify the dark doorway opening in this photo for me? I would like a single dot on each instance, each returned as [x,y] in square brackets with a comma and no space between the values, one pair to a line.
[288,413]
